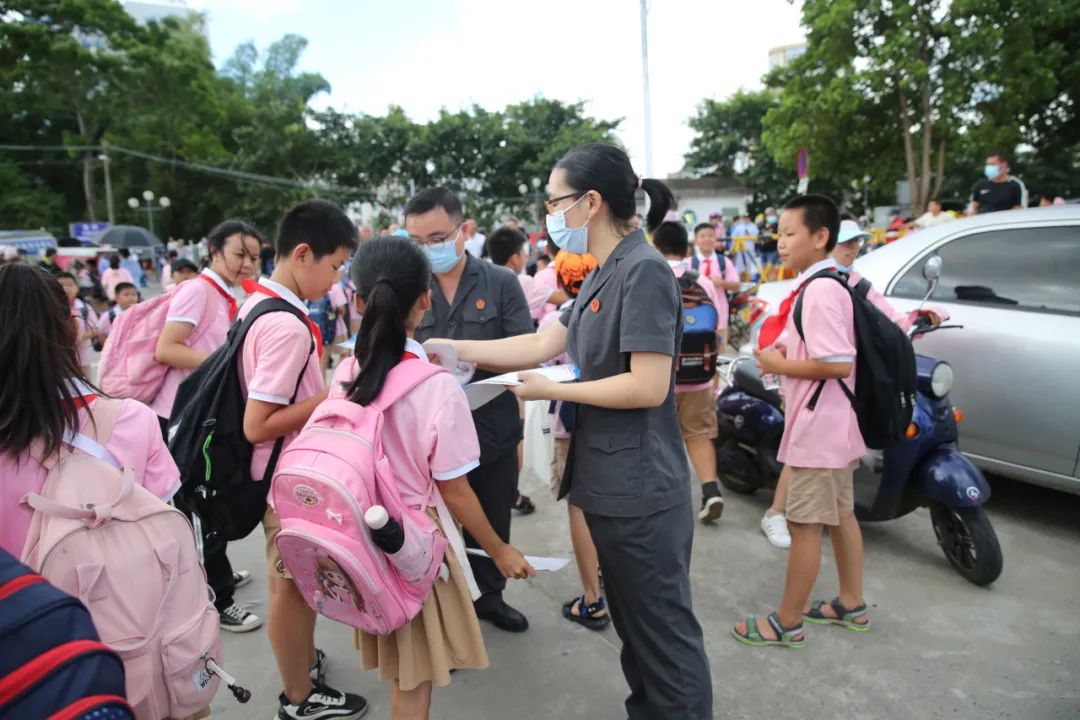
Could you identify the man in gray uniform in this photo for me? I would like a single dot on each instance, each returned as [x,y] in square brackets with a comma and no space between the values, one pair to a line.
[475,300]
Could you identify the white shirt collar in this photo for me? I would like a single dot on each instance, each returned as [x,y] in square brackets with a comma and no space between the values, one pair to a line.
[676,264]
[77,388]
[416,349]
[816,268]
[286,294]
[701,257]
[217,280]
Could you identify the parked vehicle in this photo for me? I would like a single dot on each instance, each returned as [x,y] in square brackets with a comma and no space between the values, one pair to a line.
[925,469]
[1012,279]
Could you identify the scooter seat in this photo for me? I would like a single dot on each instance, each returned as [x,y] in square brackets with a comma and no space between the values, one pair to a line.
[748,379]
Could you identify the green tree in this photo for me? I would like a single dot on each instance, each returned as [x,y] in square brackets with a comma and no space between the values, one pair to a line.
[890,88]
[728,142]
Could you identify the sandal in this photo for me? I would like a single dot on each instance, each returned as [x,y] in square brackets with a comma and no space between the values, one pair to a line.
[791,637]
[524,505]
[844,617]
[586,614]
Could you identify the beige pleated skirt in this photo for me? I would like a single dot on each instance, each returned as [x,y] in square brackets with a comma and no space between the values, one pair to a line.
[445,636]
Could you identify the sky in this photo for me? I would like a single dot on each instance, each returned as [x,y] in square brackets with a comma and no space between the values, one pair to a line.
[425,55]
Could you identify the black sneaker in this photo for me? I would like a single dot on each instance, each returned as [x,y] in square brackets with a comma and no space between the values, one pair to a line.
[712,503]
[318,670]
[323,703]
[238,619]
[241,578]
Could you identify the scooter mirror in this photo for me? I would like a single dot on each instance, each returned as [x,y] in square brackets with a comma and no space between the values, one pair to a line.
[932,269]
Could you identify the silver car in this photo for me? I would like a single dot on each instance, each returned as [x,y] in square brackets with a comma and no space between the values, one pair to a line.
[1012,279]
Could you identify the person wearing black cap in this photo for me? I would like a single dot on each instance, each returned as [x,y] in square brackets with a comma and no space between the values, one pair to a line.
[182,269]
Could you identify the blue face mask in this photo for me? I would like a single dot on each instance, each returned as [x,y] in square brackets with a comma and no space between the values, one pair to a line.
[442,256]
[844,268]
[573,240]
[992,171]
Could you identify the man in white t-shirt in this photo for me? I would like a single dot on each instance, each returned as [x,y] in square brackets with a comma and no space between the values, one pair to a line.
[933,216]
[474,239]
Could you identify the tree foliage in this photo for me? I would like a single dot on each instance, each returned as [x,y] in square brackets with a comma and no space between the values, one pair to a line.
[78,73]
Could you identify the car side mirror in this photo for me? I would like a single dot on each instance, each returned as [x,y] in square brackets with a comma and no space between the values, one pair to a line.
[932,269]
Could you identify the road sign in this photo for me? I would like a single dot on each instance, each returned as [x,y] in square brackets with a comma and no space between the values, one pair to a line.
[802,164]
[84,232]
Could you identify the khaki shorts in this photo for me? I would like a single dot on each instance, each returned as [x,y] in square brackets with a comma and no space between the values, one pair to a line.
[821,496]
[697,414]
[558,464]
[275,566]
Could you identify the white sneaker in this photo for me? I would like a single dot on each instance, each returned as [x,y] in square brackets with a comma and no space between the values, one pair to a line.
[775,529]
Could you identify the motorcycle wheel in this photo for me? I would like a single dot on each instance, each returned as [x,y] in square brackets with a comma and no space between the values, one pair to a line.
[729,479]
[969,542]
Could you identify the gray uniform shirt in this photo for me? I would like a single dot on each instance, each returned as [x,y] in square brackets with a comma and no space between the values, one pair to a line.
[626,463]
[488,305]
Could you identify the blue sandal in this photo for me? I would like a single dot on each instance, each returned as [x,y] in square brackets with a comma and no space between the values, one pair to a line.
[586,614]
[791,637]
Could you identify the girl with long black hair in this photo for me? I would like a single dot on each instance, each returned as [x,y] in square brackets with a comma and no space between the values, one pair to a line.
[430,442]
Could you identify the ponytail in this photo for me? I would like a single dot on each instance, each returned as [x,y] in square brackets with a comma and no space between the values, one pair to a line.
[390,274]
[607,170]
[661,201]
[380,345]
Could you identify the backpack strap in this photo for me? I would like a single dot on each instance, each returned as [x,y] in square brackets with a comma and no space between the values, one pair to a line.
[862,289]
[695,263]
[403,379]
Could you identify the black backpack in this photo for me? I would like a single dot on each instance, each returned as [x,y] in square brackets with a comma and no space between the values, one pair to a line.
[206,439]
[884,395]
[698,351]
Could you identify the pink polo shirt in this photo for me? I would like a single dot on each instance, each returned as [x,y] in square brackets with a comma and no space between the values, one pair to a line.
[827,437]
[108,318]
[338,300]
[86,349]
[729,274]
[904,320]
[428,435]
[549,279]
[199,305]
[679,267]
[111,278]
[536,295]
[135,442]
[276,351]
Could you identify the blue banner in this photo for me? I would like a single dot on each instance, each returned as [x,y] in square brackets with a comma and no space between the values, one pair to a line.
[84,232]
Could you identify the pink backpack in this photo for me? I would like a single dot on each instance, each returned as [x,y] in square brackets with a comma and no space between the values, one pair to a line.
[128,368]
[131,559]
[327,478]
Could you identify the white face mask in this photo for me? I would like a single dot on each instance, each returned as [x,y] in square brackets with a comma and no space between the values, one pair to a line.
[573,240]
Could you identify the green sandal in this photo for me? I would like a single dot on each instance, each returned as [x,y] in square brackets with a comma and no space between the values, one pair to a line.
[786,636]
[844,616]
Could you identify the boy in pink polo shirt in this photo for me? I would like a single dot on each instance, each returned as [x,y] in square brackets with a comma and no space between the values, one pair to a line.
[821,446]
[282,376]
[508,247]
[696,404]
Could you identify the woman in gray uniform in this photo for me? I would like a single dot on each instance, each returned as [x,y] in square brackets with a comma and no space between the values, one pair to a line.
[627,468]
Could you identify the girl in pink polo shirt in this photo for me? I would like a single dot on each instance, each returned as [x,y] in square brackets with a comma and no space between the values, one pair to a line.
[44,396]
[429,438]
[200,312]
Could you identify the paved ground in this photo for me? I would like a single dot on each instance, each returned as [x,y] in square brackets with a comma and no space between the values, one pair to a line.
[940,648]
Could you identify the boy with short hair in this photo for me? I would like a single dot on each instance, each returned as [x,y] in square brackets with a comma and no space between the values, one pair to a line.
[508,247]
[710,263]
[126,296]
[696,403]
[822,444]
[283,381]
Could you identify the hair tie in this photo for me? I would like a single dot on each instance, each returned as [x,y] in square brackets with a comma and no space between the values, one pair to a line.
[639,181]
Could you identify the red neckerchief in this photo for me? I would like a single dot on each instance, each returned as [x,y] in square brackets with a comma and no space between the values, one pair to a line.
[81,401]
[251,287]
[409,356]
[773,326]
[227,296]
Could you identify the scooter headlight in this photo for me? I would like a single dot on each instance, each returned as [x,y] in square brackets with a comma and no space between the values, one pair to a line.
[941,380]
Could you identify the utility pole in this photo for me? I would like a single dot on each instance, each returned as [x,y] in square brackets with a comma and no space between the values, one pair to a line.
[645,87]
[104,158]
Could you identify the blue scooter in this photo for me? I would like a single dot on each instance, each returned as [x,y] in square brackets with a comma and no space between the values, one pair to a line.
[925,469]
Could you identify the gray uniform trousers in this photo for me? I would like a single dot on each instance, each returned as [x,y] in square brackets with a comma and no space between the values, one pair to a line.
[646,566]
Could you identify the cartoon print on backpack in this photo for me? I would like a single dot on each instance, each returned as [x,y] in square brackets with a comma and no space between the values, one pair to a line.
[334,583]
